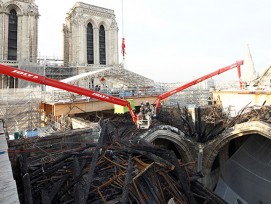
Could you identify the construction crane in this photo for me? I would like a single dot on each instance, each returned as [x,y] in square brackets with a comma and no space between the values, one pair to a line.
[39,79]
[196,81]
[143,122]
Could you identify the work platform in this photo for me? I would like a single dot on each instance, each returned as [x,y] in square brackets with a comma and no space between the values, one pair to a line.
[8,188]
[57,109]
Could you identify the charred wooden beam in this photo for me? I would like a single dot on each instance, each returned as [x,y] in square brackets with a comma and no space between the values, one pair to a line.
[125,190]
[27,189]
[87,181]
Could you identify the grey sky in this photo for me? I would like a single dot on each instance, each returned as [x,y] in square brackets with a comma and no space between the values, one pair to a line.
[175,40]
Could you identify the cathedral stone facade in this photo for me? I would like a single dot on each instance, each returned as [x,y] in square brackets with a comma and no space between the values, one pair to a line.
[18,30]
[90,36]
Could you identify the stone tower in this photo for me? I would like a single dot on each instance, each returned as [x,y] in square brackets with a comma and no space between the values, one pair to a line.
[18,30]
[90,36]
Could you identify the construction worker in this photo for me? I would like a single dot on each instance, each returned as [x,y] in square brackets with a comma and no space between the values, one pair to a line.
[149,109]
[142,109]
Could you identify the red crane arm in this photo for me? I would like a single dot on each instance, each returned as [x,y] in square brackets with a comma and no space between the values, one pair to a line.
[39,79]
[196,81]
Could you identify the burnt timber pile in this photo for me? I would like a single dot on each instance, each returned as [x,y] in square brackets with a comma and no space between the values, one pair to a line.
[210,121]
[111,171]
[121,167]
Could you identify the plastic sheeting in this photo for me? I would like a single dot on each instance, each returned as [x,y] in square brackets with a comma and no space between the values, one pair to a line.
[246,177]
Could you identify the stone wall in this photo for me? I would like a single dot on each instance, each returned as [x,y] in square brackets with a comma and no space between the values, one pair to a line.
[27,33]
[75,34]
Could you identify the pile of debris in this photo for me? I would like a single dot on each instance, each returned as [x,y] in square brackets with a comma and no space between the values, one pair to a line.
[111,171]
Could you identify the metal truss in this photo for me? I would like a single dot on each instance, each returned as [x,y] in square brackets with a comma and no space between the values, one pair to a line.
[117,75]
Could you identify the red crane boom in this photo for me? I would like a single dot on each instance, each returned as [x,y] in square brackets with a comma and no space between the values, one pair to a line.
[196,81]
[36,78]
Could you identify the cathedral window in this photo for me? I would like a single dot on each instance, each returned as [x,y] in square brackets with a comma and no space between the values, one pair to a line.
[102,45]
[90,50]
[12,35]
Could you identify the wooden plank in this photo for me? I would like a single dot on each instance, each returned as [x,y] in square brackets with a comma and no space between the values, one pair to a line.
[91,106]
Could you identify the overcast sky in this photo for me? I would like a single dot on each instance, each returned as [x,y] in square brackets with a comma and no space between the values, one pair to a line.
[175,40]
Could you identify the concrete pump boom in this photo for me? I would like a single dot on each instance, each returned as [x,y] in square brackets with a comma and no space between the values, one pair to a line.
[39,79]
[196,81]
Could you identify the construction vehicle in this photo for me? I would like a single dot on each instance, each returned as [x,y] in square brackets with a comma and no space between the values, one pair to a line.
[36,78]
[196,81]
[142,121]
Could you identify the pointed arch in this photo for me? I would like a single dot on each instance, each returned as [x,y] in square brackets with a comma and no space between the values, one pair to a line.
[105,23]
[176,137]
[93,22]
[13,6]
[102,47]
[12,35]
[239,130]
[90,44]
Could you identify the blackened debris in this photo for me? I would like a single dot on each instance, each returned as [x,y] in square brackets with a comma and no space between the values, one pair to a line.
[120,172]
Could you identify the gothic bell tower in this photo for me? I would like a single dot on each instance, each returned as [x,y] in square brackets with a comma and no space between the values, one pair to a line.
[18,31]
[90,36]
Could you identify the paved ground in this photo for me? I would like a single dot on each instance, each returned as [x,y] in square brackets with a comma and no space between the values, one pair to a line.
[8,189]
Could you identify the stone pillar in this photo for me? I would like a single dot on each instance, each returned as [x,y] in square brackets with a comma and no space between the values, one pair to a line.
[23,39]
[74,43]
[30,37]
[19,37]
[115,52]
[84,44]
[79,44]
[112,47]
[66,49]
[37,34]
[108,44]
[34,38]
[2,34]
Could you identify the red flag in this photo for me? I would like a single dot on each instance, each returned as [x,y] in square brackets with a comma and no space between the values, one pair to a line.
[123,47]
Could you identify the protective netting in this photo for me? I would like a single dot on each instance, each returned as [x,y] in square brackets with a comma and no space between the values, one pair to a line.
[246,177]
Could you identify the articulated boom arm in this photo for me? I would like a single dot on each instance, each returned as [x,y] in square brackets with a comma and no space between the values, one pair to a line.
[196,81]
[39,79]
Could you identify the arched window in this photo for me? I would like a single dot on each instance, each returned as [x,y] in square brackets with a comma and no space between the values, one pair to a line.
[90,52]
[12,35]
[102,45]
